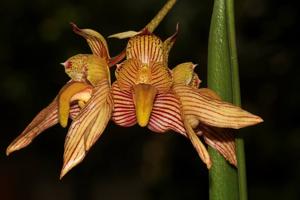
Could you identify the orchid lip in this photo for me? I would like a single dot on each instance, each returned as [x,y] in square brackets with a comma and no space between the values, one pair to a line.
[144,95]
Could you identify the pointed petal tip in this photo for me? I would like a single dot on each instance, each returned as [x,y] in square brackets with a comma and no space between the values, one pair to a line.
[207,161]
[8,151]
[62,174]
[253,120]
[70,163]
[213,112]
[74,26]
[13,147]
[208,164]
[197,143]
[66,168]
[259,119]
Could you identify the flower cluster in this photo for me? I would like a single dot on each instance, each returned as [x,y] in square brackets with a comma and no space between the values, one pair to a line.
[146,92]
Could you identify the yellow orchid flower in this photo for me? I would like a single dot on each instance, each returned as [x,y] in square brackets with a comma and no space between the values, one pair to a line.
[147,92]
[86,99]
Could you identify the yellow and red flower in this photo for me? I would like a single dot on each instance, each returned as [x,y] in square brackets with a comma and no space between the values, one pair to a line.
[146,92]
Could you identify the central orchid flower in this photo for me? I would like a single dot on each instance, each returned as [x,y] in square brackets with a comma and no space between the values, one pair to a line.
[142,76]
[146,92]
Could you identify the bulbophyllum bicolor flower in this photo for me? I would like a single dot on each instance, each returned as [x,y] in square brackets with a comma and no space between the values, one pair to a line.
[146,92]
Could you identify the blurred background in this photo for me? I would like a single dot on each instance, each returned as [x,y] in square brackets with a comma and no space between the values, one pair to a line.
[134,163]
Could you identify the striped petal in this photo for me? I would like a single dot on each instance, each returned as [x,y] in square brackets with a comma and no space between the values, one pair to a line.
[209,93]
[74,111]
[198,145]
[95,40]
[87,126]
[47,118]
[146,48]
[161,77]
[124,109]
[132,72]
[213,112]
[222,140]
[127,74]
[166,114]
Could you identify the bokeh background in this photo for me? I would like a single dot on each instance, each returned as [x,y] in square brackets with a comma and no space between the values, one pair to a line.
[134,163]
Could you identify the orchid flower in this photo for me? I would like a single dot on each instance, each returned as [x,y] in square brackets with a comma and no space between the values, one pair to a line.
[146,92]
[86,99]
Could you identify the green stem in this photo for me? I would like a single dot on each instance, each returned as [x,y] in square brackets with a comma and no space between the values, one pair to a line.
[236,97]
[151,26]
[233,52]
[223,77]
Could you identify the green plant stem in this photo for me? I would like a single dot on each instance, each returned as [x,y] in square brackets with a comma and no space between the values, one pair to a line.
[222,78]
[242,178]
[151,26]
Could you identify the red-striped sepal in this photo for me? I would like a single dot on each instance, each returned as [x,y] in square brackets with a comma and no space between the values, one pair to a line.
[95,40]
[146,48]
[45,119]
[127,73]
[88,126]
[133,72]
[211,111]
[222,140]
[161,77]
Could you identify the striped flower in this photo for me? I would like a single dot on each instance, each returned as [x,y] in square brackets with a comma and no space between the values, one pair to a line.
[148,93]
[86,99]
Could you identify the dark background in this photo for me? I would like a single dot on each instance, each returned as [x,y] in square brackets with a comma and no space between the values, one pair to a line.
[134,163]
